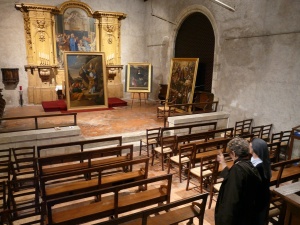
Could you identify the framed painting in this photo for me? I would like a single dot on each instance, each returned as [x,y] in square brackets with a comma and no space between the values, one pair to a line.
[75,31]
[138,77]
[85,80]
[182,80]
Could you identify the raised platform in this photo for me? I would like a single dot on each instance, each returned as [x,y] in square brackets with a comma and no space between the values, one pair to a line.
[220,117]
[60,105]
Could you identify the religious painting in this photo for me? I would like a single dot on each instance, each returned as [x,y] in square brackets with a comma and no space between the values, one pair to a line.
[75,31]
[138,77]
[182,80]
[85,80]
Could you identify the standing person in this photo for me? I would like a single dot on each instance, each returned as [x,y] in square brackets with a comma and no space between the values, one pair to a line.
[236,204]
[261,160]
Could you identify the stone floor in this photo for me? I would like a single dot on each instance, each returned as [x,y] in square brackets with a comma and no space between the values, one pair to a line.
[121,120]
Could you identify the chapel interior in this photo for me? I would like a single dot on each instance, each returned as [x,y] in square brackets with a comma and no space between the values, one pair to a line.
[71,85]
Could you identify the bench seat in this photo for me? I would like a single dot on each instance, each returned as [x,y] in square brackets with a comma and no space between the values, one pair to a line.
[83,165]
[65,187]
[110,205]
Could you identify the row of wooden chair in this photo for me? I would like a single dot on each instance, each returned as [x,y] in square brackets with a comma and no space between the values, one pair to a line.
[245,127]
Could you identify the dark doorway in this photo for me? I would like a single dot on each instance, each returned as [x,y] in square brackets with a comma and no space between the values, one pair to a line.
[196,39]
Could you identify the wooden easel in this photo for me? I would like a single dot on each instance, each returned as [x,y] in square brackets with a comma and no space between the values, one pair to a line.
[141,96]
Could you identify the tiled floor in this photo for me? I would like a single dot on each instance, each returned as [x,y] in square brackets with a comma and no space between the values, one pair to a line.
[120,120]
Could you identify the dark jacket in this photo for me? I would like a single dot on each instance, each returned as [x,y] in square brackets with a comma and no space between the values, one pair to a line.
[237,200]
[263,198]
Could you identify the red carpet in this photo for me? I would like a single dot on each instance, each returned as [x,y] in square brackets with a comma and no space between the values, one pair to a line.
[60,105]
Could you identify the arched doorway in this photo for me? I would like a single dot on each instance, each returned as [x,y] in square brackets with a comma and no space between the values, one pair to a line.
[196,39]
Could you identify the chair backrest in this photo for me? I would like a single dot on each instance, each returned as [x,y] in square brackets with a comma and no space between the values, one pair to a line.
[153,135]
[187,150]
[23,192]
[256,131]
[5,155]
[3,196]
[5,171]
[169,142]
[266,132]
[285,137]
[209,166]
[274,151]
[243,127]
[24,158]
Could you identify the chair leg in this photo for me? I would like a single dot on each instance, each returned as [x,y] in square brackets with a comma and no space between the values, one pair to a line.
[188,181]
[180,169]
[153,155]
[169,165]
[141,147]
[162,162]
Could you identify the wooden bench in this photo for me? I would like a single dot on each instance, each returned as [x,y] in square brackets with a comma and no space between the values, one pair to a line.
[171,213]
[207,139]
[79,146]
[285,171]
[62,186]
[83,160]
[109,206]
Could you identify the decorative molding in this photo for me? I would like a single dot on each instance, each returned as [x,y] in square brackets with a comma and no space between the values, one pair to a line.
[99,14]
[75,4]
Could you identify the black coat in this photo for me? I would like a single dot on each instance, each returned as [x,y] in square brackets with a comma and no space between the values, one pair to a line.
[237,200]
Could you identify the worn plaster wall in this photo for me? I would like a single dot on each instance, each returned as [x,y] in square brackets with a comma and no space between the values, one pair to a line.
[257,66]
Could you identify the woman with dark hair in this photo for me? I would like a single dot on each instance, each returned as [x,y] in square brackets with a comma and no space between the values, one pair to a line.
[261,160]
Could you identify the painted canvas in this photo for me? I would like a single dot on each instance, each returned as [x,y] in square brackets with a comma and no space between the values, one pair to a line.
[85,80]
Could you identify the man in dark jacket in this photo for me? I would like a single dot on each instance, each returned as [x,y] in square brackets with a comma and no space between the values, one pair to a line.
[237,198]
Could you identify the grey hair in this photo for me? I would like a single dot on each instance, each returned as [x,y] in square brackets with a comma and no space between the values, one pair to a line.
[240,146]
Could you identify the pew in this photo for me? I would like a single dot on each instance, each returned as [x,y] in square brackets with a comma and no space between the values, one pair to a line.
[208,139]
[79,146]
[285,171]
[109,206]
[171,213]
[63,186]
[83,160]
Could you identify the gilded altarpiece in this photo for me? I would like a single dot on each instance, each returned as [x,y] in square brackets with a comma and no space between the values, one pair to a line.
[98,32]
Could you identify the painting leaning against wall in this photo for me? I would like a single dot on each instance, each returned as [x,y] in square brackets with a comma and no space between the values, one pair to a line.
[182,80]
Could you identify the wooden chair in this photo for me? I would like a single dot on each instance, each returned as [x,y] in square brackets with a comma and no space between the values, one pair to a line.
[276,210]
[243,127]
[152,139]
[5,171]
[284,138]
[3,198]
[185,155]
[5,155]
[167,147]
[266,132]
[206,173]
[163,111]
[256,131]
[27,215]
[217,181]
[22,193]
[24,162]
[274,151]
